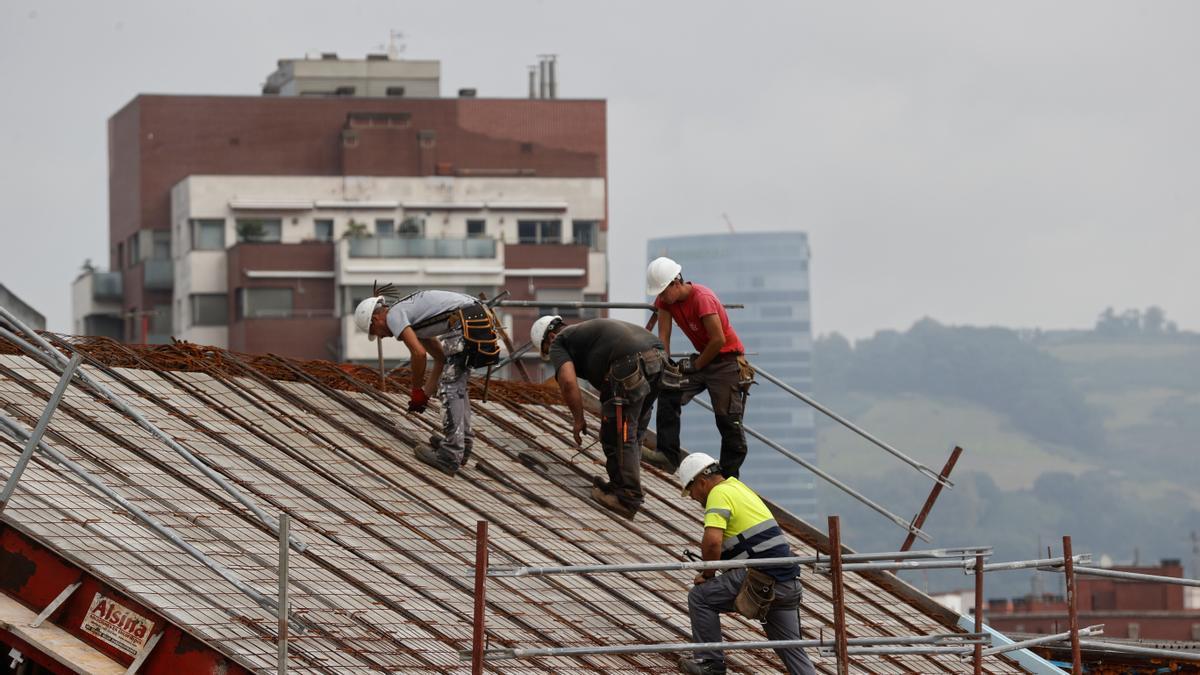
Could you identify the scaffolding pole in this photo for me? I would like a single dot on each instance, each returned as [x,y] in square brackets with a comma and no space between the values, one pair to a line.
[1072,607]
[890,645]
[588,304]
[1097,629]
[60,363]
[531,571]
[936,490]
[1145,651]
[39,430]
[855,428]
[1135,576]
[900,522]
[839,596]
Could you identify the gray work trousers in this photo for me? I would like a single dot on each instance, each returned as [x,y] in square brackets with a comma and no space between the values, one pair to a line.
[706,601]
[456,408]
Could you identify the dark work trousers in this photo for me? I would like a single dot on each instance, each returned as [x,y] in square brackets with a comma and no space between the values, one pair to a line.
[727,392]
[623,443]
[706,601]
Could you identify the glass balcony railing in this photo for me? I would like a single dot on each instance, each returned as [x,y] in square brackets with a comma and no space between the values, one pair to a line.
[106,286]
[406,247]
[160,275]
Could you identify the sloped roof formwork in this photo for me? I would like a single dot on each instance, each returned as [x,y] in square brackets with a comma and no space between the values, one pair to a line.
[386,580]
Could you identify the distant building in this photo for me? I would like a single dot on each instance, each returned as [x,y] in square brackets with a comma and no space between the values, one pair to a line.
[255,223]
[27,314]
[1128,609]
[768,273]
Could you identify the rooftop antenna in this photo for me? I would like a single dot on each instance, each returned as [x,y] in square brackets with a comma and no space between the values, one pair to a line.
[728,223]
[395,46]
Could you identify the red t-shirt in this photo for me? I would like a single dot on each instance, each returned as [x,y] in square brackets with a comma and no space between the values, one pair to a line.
[687,314]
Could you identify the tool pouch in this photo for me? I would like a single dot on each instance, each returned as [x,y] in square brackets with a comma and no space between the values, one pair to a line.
[754,598]
[626,378]
[671,377]
[745,373]
[480,340]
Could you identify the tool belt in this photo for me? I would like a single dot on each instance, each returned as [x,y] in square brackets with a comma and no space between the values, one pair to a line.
[480,340]
[627,375]
[754,598]
[745,373]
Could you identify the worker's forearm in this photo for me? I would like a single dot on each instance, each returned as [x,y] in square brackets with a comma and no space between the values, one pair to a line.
[574,401]
[435,374]
[710,352]
[418,372]
[710,550]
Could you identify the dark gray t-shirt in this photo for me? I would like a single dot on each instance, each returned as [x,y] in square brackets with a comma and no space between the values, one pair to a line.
[594,344]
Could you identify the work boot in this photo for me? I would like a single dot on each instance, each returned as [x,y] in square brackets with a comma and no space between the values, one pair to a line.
[432,458]
[701,667]
[468,445]
[598,482]
[611,502]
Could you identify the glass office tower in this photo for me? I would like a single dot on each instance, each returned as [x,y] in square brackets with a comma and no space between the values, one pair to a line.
[768,273]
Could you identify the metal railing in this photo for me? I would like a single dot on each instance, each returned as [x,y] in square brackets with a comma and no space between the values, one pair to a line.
[834,565]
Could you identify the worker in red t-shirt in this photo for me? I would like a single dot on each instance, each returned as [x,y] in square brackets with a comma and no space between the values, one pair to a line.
[720,367]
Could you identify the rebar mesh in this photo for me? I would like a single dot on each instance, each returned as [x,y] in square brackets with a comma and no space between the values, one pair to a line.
[386,582]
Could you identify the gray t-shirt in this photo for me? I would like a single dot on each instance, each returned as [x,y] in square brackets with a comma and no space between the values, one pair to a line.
[594,344]
[421,306]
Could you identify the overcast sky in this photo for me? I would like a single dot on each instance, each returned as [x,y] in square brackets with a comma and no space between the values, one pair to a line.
[1020,164]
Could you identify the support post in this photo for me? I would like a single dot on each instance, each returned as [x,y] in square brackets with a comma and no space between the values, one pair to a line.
[55,604]
[284,523]
[39,430]
[839,598]
[481,564]
[144,654]
[652,322]
[919,521]
[382,372]
[978,610]
[1072,612]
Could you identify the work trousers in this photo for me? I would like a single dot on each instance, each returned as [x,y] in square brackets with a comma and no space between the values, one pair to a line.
[456,408]
[727,391]
[621,436]
[706,601]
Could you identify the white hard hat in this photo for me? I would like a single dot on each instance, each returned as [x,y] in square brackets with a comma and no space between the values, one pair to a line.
[538,332]
[362,314]
[691,466]
[660,273]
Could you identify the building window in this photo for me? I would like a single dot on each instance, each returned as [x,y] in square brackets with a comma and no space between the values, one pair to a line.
[385,227]
[1135,631]
[265,303]
[210,309]
[260,230]
[323,230]
[476,229]
[131,246]
[586,233]
[775,311]
[565,295]
[208,234]
[161,246]
[539,231]
[412,227]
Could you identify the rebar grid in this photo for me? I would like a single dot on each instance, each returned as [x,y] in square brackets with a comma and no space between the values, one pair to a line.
[386,581]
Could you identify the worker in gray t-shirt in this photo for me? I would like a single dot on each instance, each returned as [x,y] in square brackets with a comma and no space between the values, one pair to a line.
[432,322]
[625,363]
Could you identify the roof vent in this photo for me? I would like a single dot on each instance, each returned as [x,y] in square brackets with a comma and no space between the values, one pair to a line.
[466,93]
[377,57]
[344,91]
[329,56]
[395,91]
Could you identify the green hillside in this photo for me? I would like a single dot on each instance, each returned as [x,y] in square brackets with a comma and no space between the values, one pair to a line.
[1080,433]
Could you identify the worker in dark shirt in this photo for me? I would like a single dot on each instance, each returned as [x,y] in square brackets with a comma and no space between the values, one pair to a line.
[625,363]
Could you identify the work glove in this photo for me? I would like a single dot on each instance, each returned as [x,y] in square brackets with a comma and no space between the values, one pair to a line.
[685,364]
[417,400]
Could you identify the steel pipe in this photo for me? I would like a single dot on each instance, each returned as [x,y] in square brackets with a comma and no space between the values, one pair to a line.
[1098,629]
[39,430]
[588,304]
[900,522]
[529,571]
[1135,576]
[854,427]
[1043,564]
[1147,651]
[61,363]
[534,652]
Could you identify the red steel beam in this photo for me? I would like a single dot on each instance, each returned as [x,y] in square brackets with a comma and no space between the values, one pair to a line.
[481,564]
[978,611]
[839,595]
[1072,612]
[919,521]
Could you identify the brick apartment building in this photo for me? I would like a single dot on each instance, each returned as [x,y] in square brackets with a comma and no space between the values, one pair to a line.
[1128,609]
[255,223]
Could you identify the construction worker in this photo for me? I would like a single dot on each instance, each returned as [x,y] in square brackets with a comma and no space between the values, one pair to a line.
[625,363]
[458,331]
[720,367]
[738,525]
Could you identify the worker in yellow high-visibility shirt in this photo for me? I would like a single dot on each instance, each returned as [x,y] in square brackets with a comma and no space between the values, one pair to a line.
[737,525]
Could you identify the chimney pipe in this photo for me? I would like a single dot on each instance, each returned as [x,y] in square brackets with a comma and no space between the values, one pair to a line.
[543,81]
[553,80]
[532,81]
